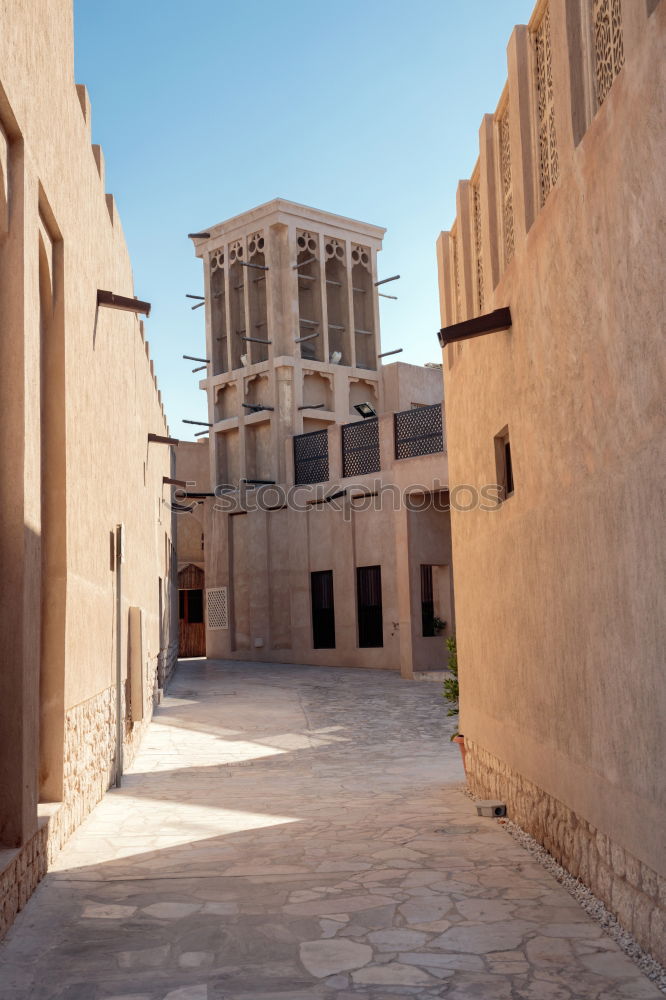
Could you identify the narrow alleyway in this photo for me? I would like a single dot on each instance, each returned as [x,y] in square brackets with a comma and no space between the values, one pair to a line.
[297,833]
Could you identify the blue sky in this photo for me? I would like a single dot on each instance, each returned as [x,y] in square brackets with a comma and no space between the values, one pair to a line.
[366,108]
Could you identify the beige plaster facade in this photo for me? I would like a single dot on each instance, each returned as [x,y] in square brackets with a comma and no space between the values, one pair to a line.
[78,398]
[559,592]
[307,493]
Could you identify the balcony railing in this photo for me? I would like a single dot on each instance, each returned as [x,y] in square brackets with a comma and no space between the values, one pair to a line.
[360,448]
[418,431]
[311,457]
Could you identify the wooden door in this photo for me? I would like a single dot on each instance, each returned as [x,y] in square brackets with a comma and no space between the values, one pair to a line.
[191,627]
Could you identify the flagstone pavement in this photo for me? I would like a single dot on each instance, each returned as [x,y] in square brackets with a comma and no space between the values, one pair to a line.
[298,833]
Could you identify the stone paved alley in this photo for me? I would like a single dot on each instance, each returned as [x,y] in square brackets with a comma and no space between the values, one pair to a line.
[298,833]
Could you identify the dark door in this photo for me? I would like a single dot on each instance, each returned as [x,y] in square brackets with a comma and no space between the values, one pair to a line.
[427,602]
[323,611]
[192,635]
[369,601]
[191,628]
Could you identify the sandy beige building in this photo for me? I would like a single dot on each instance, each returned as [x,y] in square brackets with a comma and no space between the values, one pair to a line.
[327,540]
[560,591]
[78,620]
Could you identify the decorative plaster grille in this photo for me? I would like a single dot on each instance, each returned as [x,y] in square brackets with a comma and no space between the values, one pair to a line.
[255,244]
[217,260]
[307,241]
[419,432]
[505,176]
[360,448]
[548,160]
[608,44]
[236,250]
[311,457]
[335,250]
[217,606]
[476,199]
[360,255]
[456,277]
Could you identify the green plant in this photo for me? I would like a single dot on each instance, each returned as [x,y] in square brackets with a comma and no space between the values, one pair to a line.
[438,624]
[451,689]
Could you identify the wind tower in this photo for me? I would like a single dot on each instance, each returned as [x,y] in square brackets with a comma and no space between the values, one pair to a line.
[292,333]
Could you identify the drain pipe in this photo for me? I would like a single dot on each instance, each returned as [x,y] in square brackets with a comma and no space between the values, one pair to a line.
[120,558]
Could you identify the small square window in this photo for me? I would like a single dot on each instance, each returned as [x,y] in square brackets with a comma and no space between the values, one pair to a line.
[504,464]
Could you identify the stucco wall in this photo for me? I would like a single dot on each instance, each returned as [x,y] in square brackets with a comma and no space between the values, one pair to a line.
[407,384]
[79,398]
[559,593]
[193,468]
[265,558]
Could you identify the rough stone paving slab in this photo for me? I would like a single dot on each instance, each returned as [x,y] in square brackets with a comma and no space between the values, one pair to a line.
[296,833]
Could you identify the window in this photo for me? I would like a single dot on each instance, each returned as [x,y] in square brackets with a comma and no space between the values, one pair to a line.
[504,464]
[323,611]
[427,602]
[369,606]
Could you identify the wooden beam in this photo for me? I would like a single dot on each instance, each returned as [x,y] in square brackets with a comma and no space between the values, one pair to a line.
[160,439]
[499,319]
[114,301]
[167,481]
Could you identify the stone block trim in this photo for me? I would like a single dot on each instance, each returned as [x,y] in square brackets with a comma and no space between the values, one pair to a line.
[171,659]
[634,893]
[89,771]
[20,872]
[89,762]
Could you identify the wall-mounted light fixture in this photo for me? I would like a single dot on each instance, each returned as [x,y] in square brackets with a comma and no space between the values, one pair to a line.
[365,410]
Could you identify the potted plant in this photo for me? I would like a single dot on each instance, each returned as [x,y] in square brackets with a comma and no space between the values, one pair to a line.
[451,693]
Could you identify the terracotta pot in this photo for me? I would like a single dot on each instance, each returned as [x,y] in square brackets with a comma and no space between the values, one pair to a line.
[460,740]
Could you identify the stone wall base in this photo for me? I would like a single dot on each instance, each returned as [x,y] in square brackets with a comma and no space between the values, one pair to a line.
[170,661]
[20,872]
[634,893]
[89,771]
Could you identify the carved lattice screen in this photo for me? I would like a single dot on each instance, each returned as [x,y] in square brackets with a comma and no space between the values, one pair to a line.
[608,44]
[476,206]
[548,159]
[505,178]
